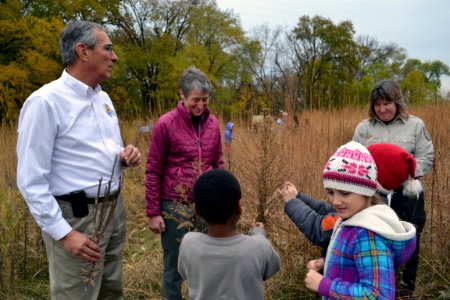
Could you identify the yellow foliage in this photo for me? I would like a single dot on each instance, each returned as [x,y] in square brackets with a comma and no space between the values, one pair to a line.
[13,85]
[29,59]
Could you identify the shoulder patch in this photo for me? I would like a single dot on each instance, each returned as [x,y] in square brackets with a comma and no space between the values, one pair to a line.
[426,133]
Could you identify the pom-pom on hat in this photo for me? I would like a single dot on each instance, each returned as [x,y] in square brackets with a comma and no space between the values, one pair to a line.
[395,167]
[351,169]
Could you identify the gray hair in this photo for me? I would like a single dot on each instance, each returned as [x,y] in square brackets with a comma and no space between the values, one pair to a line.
[388,90]
[75,33]
[193,78]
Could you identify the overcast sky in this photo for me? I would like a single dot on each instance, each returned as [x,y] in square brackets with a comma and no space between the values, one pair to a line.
[421,27]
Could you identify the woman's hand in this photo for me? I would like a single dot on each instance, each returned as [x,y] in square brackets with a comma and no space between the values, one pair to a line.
[156,224]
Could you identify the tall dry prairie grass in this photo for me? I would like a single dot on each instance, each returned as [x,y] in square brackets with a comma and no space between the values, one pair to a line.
[261,159]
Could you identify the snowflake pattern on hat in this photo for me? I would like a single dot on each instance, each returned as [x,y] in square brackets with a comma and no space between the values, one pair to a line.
[352,169]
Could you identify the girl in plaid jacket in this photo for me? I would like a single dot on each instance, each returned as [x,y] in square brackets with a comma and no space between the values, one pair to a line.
[368,242]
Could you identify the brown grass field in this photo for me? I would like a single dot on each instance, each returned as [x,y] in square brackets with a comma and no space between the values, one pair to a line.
[261,159]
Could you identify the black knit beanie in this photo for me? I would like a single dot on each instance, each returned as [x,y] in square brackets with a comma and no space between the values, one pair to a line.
[216,195]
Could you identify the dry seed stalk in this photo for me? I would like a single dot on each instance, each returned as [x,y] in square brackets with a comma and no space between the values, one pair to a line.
[102,217]
[185,215]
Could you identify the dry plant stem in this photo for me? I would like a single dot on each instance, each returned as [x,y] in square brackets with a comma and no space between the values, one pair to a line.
[437,272]
[104,216]
[184,215]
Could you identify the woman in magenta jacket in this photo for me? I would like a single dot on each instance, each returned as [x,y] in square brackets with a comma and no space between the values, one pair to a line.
[185,143]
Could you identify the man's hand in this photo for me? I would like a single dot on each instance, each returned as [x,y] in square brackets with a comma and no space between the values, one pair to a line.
[80,245]
[156,224]
[131,156]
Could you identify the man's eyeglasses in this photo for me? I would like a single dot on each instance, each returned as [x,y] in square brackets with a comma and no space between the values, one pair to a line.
[108,48]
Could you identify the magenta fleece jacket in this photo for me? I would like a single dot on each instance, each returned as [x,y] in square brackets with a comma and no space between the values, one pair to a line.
[178,154]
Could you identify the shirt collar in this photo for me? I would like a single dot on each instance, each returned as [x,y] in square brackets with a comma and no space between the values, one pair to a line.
[396,119]
[81,88]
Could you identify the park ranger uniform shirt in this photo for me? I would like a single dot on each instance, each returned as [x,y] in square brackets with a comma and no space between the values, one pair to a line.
[409,133]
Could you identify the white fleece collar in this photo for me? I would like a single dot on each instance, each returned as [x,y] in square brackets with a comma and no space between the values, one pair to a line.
[383,220]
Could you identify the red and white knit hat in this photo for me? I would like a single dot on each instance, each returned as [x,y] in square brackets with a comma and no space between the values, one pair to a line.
[351,169]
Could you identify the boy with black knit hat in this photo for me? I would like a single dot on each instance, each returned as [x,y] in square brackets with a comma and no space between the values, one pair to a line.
[224,264]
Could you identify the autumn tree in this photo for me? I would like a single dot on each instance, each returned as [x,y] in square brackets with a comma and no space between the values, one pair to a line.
[378,60]
[149,34]
[29,56]
[323,57]
[217,44]
[270,80]
[432,71]
[69,10]
[316,64]
[159,39]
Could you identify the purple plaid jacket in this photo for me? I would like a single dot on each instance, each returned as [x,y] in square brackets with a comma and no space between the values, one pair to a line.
[361,264]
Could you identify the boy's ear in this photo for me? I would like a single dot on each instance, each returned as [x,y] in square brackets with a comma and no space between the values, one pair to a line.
[196,210]
[239,208]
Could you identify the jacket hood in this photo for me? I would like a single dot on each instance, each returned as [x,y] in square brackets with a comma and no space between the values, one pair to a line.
[228,135]
[382,220]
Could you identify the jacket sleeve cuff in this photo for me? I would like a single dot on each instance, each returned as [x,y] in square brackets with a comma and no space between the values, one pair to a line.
[153,214]
[153,210]
[290,205]
[324,287]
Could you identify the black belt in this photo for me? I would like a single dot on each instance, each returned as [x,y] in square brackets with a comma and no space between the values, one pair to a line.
[81,195]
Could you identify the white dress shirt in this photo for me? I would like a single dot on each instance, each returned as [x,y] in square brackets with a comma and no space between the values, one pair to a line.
[68,139]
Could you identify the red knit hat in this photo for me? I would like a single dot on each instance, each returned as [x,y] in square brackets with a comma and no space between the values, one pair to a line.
[395,167]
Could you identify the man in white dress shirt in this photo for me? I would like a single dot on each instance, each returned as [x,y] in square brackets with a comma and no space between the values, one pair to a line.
[69,138]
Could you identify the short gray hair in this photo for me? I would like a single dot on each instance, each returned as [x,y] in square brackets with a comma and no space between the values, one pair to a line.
[193,78]
[75,33]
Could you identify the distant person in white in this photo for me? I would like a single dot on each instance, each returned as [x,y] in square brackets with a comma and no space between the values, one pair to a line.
[224,264]
[68,138]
